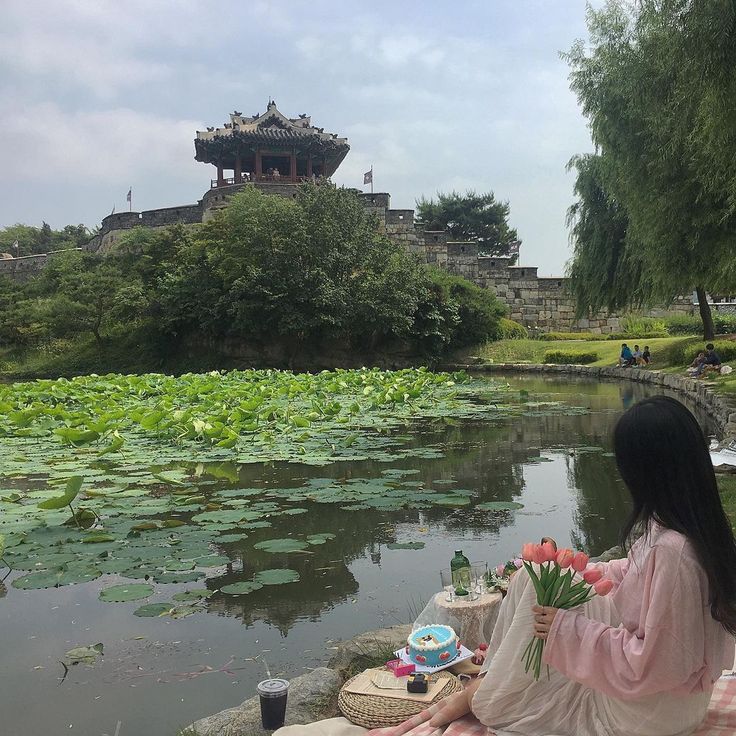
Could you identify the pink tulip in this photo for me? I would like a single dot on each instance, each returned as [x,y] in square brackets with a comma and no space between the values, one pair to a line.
[592,576]
[518,563]
[539,555]
[603,587]
[580,561]
[527,551]
[565,558]
[550,552]
[500,569]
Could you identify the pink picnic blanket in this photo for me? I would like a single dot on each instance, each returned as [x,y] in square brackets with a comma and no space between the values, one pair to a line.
[720,720]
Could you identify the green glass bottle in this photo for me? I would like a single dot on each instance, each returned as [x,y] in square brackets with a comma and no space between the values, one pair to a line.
[460,568]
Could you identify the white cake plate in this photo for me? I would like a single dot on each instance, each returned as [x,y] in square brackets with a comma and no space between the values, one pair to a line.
[465,653]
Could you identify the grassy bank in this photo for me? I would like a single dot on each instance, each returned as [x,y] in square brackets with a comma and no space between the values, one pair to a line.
[727,485]
[664,350]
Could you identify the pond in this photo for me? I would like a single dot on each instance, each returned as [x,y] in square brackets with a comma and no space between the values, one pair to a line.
[346,561]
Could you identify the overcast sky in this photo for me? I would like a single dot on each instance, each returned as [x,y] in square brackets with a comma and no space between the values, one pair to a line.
[97,96]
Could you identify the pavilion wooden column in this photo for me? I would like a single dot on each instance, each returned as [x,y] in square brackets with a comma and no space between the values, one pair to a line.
[259,165]
[309,165]
[324,167]
[292,165]
[220,175]
[238,172]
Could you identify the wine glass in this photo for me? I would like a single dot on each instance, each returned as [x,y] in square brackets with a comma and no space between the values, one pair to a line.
[447,585]
[478,571]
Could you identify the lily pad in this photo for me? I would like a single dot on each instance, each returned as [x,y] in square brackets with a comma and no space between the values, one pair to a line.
[84,655]
[241,588]
[274,546]
[152,610]
[126,593]
[276,577]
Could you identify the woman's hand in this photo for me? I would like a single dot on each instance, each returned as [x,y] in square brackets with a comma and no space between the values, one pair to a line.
[544,617]
[457,705]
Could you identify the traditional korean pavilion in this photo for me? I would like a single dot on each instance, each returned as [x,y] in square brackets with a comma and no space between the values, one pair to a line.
[269,147]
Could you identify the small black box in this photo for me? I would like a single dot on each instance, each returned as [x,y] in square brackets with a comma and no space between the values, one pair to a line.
[418,683]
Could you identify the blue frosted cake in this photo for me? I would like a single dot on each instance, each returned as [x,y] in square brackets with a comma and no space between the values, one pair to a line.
[433,645]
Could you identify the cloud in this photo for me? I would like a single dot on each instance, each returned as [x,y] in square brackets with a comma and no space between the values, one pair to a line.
[94,146]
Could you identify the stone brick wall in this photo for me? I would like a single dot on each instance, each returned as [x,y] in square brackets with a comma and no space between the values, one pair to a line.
[24,267]
[538,303]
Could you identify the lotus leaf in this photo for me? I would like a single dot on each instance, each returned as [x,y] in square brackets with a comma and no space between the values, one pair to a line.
[73,486]
[319,538]
[241,588]
[276,577]
[84,655]
[126,593]
[275,546]
[152,610]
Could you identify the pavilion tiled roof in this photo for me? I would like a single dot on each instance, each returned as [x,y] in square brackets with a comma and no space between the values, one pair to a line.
[270,128]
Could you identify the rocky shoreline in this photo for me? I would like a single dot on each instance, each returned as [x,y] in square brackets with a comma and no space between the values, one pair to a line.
[312,696]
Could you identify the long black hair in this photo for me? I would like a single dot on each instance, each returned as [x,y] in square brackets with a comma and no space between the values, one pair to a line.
[663,457]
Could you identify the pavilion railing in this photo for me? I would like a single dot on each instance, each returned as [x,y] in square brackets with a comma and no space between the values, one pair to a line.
[246,178]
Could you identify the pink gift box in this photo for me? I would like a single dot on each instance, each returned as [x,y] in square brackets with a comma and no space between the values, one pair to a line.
[399,668]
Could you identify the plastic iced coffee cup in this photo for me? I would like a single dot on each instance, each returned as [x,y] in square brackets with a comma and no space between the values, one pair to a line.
[273,694]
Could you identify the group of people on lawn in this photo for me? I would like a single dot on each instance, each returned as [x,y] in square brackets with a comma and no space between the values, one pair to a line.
[707,361]
[637,357]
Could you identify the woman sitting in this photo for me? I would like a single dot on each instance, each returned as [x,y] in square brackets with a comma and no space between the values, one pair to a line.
[641,662]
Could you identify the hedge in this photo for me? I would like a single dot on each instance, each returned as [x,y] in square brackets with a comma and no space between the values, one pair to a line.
[569,357]
[510,330]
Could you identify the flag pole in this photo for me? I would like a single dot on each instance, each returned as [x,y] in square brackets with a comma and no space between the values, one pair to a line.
[371,178]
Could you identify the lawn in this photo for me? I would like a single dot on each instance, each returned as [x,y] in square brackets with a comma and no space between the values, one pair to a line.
[727,486]
[532,351]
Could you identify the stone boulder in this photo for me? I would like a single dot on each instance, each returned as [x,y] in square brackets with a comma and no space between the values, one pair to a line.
[312,697]
[369,650]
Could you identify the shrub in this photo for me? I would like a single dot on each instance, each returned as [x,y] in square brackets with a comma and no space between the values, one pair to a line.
[569,357]
[510,330]
[588,336]
[683,324]
[635,326]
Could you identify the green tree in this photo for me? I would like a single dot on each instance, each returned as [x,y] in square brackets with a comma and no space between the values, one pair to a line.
[471,217]
[656,81]
[81,292]
[605,271]
[34,240]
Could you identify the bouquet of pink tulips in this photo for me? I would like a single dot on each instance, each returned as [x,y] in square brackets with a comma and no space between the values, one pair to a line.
[555,585]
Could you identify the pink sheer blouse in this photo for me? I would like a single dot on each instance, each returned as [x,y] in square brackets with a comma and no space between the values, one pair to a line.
[667,641]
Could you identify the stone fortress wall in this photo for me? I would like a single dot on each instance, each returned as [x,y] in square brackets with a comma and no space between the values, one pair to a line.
[540,304]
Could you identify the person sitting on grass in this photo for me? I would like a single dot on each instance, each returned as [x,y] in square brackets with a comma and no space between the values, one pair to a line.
[711,362]
[638,355]
[627,357]
[646,356]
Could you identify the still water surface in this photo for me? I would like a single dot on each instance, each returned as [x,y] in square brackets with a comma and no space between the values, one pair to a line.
[159,674]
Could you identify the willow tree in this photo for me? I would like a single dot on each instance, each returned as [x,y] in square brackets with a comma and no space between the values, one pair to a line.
[656,81]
